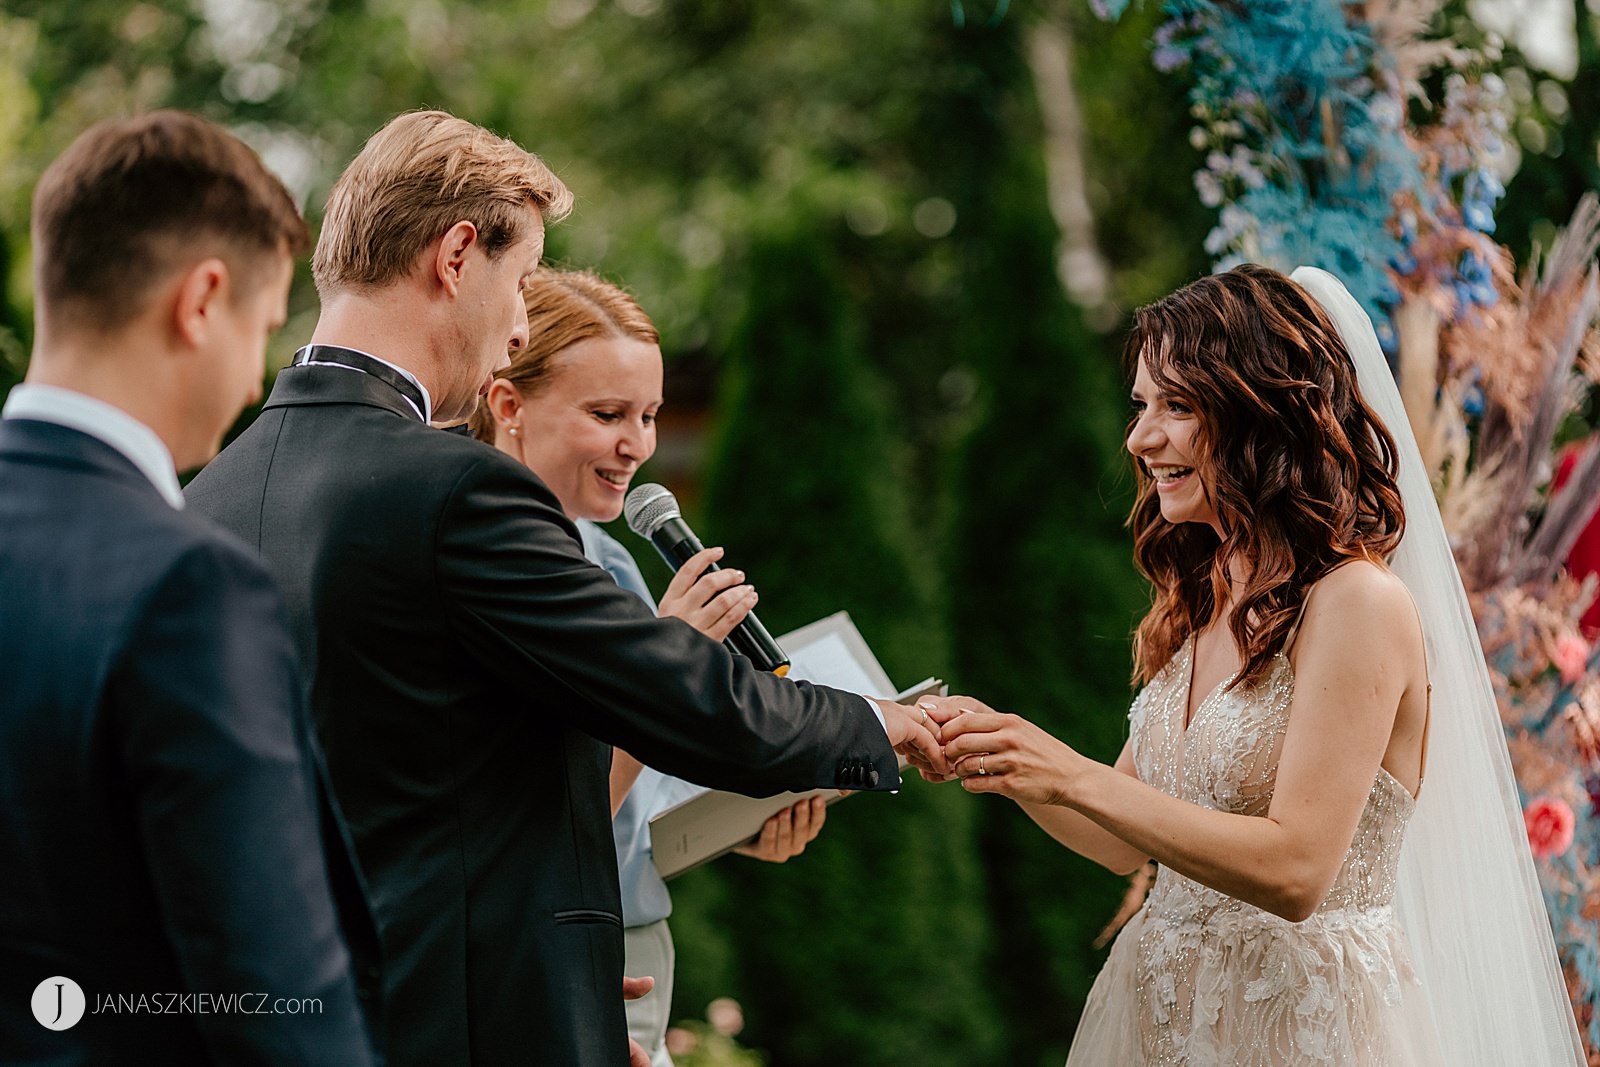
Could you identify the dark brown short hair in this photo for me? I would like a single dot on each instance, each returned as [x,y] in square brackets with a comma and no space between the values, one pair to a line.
[131,200]
[415,178]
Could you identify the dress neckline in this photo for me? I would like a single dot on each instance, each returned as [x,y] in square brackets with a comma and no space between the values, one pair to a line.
[1188,688]
[1217,690]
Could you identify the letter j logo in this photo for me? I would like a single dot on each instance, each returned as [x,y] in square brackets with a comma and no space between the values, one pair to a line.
[58,1003]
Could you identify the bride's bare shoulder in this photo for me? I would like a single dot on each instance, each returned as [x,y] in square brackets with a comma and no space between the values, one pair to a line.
[1365,594]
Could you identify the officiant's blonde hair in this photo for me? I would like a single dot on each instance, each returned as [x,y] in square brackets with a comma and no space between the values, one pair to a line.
[565,307]
[416,177]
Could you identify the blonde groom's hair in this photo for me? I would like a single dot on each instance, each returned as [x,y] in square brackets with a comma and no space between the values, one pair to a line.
[415,178]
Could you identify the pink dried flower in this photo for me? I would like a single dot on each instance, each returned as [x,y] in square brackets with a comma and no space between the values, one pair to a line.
[1550,824]
[727,1017]
[1571,657]
[681,1042]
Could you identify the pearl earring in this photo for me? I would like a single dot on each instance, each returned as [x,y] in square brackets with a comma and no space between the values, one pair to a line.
[512,430]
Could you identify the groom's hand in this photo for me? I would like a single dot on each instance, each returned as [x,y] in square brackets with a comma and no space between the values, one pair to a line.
[914,733]
[945,709]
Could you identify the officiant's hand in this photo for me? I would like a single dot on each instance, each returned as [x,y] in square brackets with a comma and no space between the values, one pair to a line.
[786,834]
[993,752]
[713,602]
[914,733]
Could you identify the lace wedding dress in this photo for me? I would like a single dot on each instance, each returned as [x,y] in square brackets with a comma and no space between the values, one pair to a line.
[1203,979]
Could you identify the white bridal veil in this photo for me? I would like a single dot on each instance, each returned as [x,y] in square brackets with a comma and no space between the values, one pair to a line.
[1469,899]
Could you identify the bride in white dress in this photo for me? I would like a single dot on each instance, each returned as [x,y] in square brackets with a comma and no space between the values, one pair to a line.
[1342,879]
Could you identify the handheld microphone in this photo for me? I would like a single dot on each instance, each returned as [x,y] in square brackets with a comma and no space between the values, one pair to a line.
[652,513]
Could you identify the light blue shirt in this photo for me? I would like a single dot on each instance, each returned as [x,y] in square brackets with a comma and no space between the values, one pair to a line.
[102,421]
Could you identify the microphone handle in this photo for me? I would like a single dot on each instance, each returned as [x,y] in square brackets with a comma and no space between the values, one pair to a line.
[677,543]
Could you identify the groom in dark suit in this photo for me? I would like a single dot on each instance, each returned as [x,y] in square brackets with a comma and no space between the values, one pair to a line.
[469,668]
[170,859]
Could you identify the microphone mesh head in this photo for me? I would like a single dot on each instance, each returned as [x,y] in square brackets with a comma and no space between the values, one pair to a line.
[647,506]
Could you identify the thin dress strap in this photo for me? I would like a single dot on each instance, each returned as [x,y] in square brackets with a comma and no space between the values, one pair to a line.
[1427,710]
[1294,627]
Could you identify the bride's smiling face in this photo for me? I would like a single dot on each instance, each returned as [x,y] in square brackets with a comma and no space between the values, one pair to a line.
[1166,439]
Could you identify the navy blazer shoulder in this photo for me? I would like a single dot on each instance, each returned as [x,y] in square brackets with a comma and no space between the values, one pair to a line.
[162,823]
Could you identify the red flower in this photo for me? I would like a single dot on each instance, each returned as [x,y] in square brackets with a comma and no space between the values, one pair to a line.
[1550,825]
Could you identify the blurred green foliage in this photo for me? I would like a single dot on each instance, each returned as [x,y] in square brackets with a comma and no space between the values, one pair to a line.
[808,482]
[838,210]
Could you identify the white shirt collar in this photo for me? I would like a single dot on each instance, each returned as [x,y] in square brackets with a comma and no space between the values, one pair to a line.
[102,421]
[426,414]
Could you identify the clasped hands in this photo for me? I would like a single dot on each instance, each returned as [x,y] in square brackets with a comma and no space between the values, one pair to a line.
[959,738]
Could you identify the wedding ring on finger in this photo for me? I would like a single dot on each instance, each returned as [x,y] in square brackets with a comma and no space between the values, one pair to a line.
[981,768]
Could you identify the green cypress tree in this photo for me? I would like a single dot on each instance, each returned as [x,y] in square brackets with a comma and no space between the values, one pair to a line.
[866,941]
[13,344]
[1043,594]
[1043,600]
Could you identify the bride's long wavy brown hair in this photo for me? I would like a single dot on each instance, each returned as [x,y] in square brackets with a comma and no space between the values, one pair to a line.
[1299,469]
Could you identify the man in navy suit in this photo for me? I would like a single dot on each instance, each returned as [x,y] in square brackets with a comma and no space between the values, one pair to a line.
[172,862]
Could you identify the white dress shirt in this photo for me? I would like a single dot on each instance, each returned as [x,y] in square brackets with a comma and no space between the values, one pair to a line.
[426,414]
[102,421]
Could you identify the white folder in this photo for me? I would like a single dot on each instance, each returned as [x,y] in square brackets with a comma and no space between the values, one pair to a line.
[830,651]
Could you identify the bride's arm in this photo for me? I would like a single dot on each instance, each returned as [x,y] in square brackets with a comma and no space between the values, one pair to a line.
[1357,653]
[1085,836]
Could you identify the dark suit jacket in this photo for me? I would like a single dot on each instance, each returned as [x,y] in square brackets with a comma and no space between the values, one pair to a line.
[468,669]
[159,798]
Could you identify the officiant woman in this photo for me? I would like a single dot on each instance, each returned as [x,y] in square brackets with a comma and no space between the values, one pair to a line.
[578,406]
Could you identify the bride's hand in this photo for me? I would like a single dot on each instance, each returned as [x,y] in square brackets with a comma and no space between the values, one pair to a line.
[993,752]
[935,712]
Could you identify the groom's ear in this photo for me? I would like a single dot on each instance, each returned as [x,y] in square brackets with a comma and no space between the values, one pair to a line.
[449,258]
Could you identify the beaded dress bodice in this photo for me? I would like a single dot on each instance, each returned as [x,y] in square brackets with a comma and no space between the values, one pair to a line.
[1227,759]
[1213,980]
